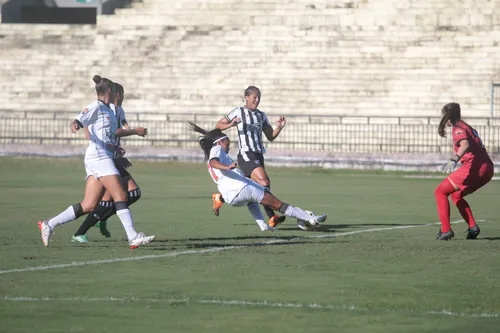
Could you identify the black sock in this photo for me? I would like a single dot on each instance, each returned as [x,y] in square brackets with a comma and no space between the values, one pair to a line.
[94,217]
[269,211]
[133,196]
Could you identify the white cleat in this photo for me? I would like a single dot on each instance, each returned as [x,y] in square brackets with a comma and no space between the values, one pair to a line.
[45,231]
[139,240]
[317,219]
[267,228]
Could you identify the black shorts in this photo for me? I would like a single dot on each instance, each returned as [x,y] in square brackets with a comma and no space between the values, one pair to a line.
[252,162]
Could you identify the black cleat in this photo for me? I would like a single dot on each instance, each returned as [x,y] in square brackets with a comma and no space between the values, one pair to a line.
[473,232]
[445,236]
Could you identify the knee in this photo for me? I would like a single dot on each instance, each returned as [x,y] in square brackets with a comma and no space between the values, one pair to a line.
[439,193]
[456,197]
[265,182]
[88,206]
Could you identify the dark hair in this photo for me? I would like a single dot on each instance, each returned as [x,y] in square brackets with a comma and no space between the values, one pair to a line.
[251,89]
[206,141]
[451,112]
[102,84]
[118,88]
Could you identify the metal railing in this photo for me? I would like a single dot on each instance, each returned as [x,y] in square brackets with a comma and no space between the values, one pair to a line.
[353,134]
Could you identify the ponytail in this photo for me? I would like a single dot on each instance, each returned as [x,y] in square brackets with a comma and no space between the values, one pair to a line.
[451,112]
[206,141]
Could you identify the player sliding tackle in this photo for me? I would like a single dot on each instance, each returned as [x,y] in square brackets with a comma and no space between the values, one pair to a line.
[236,189]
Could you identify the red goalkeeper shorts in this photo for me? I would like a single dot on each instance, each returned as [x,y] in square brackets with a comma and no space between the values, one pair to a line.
[472,176]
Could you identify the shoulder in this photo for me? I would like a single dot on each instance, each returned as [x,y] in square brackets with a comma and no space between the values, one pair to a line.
[460,127]
[91,107]
[215,151]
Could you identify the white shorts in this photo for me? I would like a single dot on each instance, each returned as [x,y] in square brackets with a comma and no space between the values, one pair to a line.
[101,168]
[249,193]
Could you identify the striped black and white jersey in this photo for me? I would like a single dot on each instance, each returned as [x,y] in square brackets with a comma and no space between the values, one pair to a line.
[250,128]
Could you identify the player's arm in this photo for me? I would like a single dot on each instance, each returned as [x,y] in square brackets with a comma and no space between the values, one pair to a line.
[216,164]
[463,147]
[270,133]
[85,118]
[229,121]
[140,131]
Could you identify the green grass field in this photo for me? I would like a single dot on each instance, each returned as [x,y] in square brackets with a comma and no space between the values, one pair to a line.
[208,274]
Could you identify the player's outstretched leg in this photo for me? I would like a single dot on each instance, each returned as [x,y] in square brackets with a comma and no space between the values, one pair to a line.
[443,208]
[289,210]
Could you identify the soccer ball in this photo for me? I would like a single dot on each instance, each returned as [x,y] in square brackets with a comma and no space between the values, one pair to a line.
[305,225]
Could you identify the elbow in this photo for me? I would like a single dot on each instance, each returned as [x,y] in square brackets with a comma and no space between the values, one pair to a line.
[219,125]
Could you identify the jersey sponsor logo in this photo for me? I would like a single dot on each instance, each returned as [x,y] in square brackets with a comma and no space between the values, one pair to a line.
[257,162]
[255,127]
[458,132]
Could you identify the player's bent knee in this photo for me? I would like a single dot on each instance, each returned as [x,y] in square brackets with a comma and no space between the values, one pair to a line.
[87,206]
[456,197]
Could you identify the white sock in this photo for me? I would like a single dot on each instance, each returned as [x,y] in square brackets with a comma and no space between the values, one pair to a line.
[128,223]
[257,215]
[297,213]
[66,216]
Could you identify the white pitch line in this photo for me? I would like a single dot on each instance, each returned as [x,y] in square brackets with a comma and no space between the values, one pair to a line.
[210,250]
[243,303]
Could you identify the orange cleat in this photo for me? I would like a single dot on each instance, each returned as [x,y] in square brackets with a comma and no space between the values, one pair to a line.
[217,203]
[275,220]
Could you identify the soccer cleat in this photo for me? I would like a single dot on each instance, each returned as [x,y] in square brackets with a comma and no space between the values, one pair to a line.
[473,232]
[80,239]
[275,220]
[318,219]
[445,236]
[139,240]
[267,228]
[217,203]
[103,227]
[45,231]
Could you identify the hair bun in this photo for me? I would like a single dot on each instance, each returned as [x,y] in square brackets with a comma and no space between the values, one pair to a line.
[97,79]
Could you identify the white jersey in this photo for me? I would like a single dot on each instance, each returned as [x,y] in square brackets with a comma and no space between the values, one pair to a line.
[102,124]
[250,128]
[229,182]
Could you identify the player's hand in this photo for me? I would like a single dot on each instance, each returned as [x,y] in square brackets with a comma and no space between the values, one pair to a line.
[232,166]
[74,126]
[281,122]
[123,162]
[450,166]
[120,151]
[235,121]
[141,131]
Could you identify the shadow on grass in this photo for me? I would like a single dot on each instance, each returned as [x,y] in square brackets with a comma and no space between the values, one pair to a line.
[235,245]
[489,238]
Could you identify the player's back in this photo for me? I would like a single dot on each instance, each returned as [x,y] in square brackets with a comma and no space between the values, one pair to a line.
[477,151]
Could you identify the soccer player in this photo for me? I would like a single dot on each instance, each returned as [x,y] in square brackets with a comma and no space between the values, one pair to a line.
[238,190]
[106,207]
[101,170]
[251,123]
[475,172]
